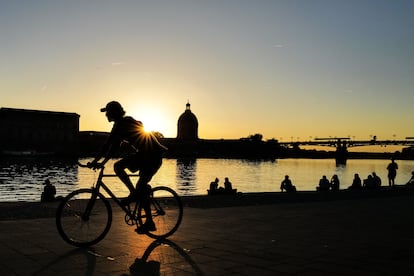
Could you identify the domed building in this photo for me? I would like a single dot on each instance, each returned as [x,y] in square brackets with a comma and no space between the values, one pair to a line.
[187,125]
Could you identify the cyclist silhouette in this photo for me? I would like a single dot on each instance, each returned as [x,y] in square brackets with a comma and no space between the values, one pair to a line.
[147,156]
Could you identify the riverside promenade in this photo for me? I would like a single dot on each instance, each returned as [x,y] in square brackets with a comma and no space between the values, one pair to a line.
[249,234]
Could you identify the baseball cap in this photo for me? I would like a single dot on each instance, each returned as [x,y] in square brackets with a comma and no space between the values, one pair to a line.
[112,106]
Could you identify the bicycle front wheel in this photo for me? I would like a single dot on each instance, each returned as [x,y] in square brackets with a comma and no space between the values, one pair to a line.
[166,212]
[83,218]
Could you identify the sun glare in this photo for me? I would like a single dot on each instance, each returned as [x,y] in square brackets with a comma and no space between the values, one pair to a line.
[152,124]
[152,121]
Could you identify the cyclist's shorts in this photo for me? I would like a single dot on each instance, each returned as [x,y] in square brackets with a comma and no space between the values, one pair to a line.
[146,164]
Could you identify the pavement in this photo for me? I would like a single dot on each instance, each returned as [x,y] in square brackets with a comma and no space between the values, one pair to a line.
[362,236]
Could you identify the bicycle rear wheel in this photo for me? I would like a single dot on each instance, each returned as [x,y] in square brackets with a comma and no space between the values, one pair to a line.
[83,218]
[166,211]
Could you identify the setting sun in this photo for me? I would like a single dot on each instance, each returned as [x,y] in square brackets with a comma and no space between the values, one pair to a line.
[155,117]
[152,123]
[152,120]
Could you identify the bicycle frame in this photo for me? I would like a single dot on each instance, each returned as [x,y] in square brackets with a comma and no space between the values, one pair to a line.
[101,184]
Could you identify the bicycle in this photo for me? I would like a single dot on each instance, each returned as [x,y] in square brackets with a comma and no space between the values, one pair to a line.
[84,216]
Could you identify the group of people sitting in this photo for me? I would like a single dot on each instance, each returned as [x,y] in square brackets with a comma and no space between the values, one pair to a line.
[373,181]
[326,185]
[227,189]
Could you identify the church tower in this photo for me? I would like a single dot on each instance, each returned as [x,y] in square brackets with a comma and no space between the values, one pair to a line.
[187,125]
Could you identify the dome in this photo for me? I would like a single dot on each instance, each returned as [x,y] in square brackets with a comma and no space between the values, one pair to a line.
[187,125]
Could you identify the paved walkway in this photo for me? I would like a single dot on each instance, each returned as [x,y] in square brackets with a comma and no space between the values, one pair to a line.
[372,236]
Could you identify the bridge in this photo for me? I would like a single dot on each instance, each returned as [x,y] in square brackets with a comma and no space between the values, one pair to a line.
[343,143]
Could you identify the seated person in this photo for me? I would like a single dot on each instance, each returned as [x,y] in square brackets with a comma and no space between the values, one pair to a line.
[287,185]
[323,184]
[376,179]
[214,185]
[368,182]
[49,192]
[356,183]
[227,185]
[335,183]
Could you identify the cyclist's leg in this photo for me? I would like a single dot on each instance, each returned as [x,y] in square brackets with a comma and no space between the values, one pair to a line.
[151,167]
[120,167]
[167,212]
[144,193]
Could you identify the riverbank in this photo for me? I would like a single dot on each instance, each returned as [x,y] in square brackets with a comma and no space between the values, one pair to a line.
[31,210]
[360,236]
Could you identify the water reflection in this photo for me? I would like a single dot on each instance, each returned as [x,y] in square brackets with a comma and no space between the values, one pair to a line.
[186,176]
[23,178]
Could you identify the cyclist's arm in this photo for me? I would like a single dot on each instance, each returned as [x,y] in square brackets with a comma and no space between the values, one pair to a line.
[107,152]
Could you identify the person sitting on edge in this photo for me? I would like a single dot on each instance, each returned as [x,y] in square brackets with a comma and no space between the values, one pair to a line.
[49,192]
[368,183]
[356,183]
[214,185]
[287,185]
[323,184]
[146,157]
[376,179]
[227,185]
[335,183]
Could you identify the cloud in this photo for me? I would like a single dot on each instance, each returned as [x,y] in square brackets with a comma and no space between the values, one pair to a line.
[117,63]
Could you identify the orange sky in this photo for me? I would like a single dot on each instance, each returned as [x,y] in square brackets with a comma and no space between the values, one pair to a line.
[280,68]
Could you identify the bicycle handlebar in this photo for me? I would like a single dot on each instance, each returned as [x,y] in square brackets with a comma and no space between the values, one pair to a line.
[82,165]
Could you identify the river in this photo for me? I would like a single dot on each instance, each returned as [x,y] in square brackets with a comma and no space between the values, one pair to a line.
[22,179]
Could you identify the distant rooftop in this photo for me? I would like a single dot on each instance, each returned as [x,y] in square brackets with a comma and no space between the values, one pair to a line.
[20,110]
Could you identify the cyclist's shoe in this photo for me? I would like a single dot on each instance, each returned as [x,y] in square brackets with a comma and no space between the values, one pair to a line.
[146,227]
[129,199]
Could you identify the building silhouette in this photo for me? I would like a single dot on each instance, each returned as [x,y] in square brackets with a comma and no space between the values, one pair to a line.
[187,126]
[34,132]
